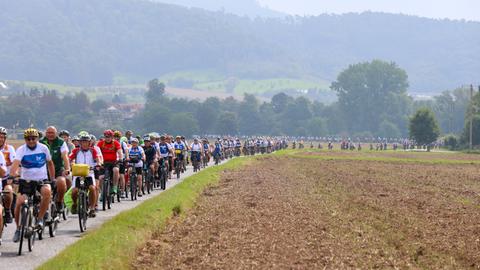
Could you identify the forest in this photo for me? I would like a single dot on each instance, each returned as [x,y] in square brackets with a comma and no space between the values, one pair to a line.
[91,43]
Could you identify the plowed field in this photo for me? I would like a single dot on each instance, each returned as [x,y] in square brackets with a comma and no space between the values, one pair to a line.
[304,213]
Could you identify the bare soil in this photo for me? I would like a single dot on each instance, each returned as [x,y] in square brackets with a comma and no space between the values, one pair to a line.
[296,213]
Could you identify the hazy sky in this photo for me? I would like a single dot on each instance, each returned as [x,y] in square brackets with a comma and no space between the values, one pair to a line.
[453,9]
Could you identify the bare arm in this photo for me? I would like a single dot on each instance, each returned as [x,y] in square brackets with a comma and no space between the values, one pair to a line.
[14,169]
[51,169]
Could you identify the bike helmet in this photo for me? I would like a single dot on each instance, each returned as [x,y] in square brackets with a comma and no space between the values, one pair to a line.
[84,137]
[117,134]
[93,138]
[31,132]
[75,138]
[3,131]
[83,134]
[64,133]
[146,138]
[108,133]
[134,140]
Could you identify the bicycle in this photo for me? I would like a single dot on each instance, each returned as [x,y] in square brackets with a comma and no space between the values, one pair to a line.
[133,179]
[163,173]
[148,178]
[195,157]
[107,197]
[52,219]
[83,183]
[28,213]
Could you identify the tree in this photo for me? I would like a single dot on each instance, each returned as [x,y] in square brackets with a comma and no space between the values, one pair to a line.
[155,90]
[371,92]
[317,127]
[280,102]
[227,124]
[184,125]
[423,127]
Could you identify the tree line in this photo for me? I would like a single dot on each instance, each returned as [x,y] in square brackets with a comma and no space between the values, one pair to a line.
[372,102]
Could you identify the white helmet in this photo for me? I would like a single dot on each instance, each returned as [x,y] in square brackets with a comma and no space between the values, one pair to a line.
[3,130]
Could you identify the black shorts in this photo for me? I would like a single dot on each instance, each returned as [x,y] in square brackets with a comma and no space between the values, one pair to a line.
[121,167]
[138,170]
[88,181]
[29,188]
[5,182]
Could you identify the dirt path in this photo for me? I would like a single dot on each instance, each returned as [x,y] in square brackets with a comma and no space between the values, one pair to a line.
[294,213]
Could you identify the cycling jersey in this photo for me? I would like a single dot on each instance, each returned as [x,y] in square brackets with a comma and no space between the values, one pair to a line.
[238,144]
[109,151]
[196,147]
[33,161]
[87,157]
[218,147]
[3,166]
[150,153]
[164,149]
[57,147]
[206,146]
[179,147]
[9,155]
[136,153]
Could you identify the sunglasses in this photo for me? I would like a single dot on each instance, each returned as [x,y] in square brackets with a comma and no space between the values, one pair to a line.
[31,139]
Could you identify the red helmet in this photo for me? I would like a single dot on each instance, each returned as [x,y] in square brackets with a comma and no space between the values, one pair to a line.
[108,133]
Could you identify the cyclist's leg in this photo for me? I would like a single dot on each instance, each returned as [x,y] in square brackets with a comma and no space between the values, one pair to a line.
[46,193]
[61,187]
[7,199]
[122,177]
[116,177]
[20,201]
[92,195]
[139,180]
[74,199]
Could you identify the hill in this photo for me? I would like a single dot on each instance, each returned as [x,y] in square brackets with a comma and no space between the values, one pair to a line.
[91,42]
[249,8]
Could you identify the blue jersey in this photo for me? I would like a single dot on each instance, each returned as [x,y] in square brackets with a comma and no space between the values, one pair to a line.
[164,150]
[218,147]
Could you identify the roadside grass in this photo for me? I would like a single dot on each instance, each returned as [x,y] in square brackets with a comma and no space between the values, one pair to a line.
[112,245]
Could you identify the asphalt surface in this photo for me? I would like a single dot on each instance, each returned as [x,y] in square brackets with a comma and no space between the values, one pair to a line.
[68,232]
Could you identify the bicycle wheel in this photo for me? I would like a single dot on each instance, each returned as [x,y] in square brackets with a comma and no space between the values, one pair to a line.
[31,230]
[133,191]
[23,228]
[82,211]
[163,179]
[105,192]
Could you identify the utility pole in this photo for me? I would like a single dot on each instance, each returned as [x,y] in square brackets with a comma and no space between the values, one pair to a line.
[472,113]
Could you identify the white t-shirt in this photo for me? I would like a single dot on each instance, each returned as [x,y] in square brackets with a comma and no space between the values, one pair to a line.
[11,155]
[3,166]
[196,147]
[34,162]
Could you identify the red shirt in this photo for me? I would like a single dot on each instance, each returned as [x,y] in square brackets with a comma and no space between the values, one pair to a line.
[109,150]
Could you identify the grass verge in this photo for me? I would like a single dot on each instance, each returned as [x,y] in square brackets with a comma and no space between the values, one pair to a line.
[112,245]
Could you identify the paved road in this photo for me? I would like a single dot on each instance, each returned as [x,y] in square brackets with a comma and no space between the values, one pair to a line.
[68,232]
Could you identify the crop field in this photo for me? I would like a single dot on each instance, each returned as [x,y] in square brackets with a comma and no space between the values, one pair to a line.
[320,209]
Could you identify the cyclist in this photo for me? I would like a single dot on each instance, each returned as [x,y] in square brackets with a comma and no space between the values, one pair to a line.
[112,154]
[65,135]
[196,151]
[217,152]
[121,166]
[34,158]
[150,153]
[59,153]
[165,152]
[206,149]
[93,143]
[3,172]
[86,154]
[179,147]
[75,141]
[171,154]
[9,155]
[135,158]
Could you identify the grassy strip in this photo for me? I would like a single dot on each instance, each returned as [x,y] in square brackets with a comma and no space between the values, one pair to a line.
[112,245]
[388,159]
